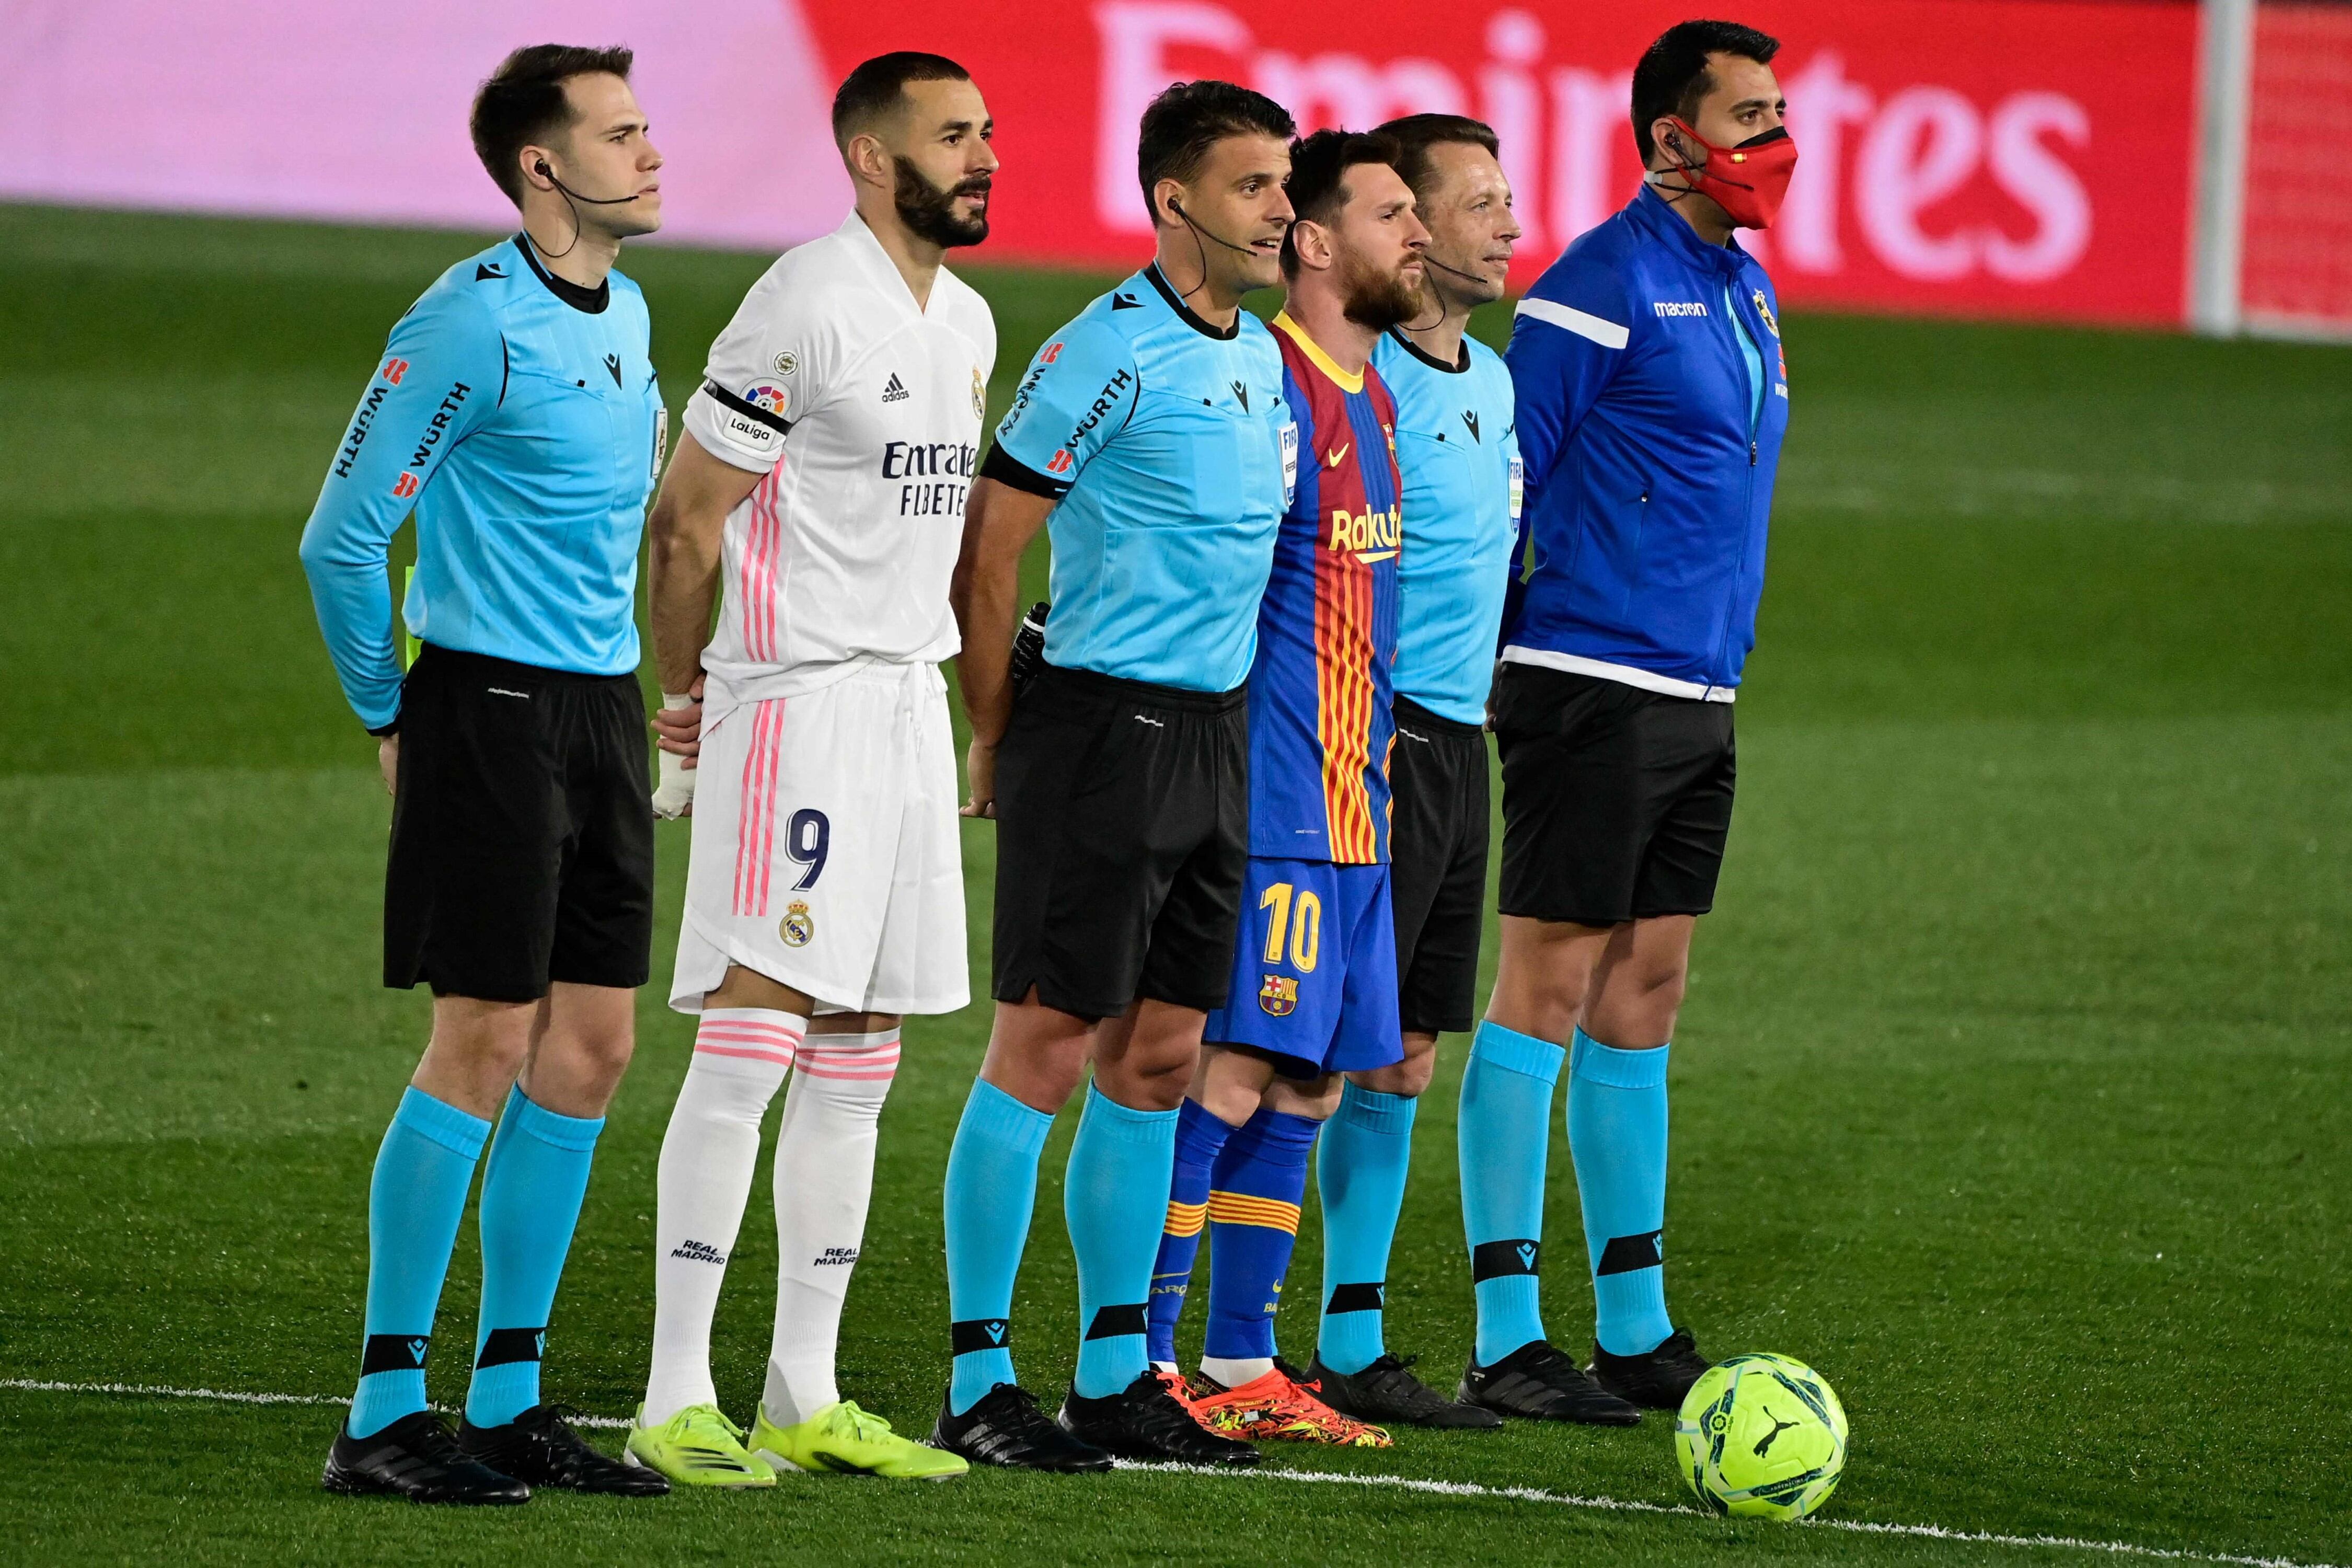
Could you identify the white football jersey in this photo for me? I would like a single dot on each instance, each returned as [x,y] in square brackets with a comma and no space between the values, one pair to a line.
[865,414]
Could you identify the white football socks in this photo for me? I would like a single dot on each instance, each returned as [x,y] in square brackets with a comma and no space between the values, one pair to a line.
[1234,1372]
[708,1156]
[825,1179]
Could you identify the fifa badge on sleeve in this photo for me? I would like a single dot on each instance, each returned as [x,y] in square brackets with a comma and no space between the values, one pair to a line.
[1289,463]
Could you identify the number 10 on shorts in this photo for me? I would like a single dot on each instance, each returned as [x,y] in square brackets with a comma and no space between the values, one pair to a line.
[1298,917]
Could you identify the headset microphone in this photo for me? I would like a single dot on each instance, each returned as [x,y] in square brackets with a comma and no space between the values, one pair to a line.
[575,195]
[572,199]
[1178,208]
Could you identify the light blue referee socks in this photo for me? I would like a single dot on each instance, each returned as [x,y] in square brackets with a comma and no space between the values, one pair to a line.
[1115,1196]
[1359,1170]
[991,1190]
[1504,1133]
[415,1200]
[1617,1133]
[532,1191]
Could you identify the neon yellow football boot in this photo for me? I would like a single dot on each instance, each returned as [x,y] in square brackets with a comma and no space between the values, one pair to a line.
[842,1440]
[696,1448]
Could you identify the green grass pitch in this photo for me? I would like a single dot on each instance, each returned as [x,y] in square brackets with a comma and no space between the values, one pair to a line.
[2010,1093]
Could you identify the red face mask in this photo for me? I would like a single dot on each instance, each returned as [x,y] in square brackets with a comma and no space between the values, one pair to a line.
[1746,181]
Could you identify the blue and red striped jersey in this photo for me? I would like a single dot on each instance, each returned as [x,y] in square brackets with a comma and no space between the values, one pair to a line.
[1327,629]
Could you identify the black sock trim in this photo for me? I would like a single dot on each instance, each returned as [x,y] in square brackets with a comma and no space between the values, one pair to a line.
[504,1346]
[979,1334]
[1357,1297]
[1512,1255]
[1625,1254]
[1117,1323]
[393,1352]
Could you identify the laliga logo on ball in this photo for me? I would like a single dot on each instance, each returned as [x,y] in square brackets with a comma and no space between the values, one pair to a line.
[1761,1436]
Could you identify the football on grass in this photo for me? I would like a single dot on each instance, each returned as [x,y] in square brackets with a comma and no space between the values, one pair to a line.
[1761,1436]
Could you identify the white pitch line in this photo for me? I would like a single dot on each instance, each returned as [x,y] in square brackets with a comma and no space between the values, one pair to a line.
[1618,1505]
[1330,1477]
[233,1396]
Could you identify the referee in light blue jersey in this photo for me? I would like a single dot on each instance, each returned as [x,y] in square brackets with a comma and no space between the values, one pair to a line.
[1150,433]
[515,413]
[1653,397]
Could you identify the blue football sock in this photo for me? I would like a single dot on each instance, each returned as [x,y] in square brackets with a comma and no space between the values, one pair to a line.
[1361,1173]
[1505,1132]
[532,1191]
[1253,1197]
[415,1201]
[1617,1133]
[1200,1134]
[1115,1196]
[991,1192]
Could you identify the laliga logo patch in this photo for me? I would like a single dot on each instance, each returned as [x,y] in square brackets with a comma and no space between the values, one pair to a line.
[979,395]
[798,926]
[772,399]
[1279,995]
[1764,309]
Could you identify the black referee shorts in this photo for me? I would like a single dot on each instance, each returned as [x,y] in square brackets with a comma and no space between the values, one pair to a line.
[523,831]
[1123,839]
[1437,866]
[1616,800]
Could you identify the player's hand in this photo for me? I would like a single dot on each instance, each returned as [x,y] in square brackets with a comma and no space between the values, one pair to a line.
[980,777]
[678,731]
[387,762]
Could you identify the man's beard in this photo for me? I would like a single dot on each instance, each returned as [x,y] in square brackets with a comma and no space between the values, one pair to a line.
[1381,301]
[930,212]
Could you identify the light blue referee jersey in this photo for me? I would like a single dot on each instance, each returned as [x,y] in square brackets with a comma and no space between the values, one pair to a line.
[1458,447]
[1168,444]
[518,416]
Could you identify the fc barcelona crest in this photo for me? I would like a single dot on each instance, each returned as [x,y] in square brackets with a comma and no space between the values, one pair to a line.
[798,925]
[1278,995]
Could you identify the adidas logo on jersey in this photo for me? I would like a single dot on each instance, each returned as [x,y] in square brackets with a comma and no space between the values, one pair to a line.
[896,391]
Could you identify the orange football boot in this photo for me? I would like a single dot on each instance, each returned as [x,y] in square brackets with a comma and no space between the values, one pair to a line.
[1277,1408]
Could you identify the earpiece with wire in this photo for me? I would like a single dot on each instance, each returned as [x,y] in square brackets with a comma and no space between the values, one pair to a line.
[572,197]
[1177,207]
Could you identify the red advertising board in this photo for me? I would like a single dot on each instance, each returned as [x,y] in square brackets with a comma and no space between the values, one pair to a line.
[2015,158]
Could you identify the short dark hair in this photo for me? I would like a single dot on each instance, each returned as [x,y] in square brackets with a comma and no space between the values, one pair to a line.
[1317,185]
[524,100]
[1183,122]
[1415,134]
[875,87]
[1672,78]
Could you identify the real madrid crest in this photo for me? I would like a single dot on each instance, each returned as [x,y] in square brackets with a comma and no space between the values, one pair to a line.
[1764,309]
[979,395]
[798,925]
[1278,995]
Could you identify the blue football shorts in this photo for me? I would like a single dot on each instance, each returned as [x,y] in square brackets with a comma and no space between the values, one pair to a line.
[1315,973]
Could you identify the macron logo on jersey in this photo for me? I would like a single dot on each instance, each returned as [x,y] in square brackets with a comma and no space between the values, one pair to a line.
[1679,307]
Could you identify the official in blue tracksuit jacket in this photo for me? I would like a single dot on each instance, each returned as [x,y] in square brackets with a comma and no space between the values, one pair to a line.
[1652,398]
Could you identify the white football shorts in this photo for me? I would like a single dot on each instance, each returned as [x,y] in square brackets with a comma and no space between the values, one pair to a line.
[826,855]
